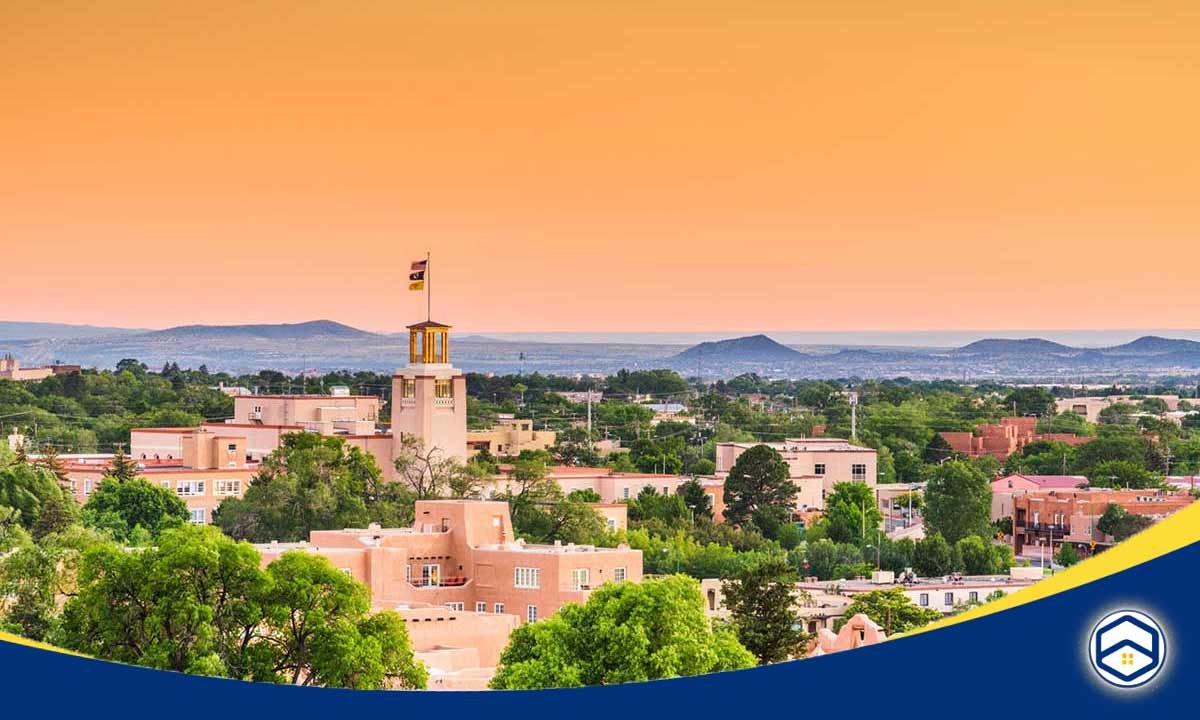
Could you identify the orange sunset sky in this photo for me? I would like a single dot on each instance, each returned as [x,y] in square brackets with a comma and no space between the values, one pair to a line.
[586,165]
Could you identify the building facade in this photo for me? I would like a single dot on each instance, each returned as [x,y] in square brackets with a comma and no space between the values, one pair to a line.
[814,464]
[1045,519]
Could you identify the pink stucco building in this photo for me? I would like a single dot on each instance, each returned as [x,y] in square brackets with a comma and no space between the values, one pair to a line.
[463,581]
[815,465]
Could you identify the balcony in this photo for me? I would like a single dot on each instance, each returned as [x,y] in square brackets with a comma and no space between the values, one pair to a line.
[456,581]
[1047,529]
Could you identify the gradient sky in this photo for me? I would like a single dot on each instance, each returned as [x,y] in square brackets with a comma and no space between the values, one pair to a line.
[616,165]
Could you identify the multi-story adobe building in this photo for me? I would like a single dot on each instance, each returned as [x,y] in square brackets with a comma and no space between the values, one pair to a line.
[1004,489]
[212,466]
[510,437]
[10,369]
[1000,440]
[815,465]
[1045,519]
[464,555]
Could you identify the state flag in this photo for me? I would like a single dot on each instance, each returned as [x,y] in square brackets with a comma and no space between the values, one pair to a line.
[420,285]
[419,265]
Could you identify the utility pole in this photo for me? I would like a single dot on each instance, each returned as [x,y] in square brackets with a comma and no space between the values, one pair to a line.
[853,397]
[589,418]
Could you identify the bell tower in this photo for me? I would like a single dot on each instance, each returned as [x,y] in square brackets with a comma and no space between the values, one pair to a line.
[429,395]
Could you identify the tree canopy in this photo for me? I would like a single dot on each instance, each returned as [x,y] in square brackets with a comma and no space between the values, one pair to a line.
[625,632]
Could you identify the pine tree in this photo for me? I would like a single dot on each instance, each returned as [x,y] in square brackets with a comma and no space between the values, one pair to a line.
[121,468]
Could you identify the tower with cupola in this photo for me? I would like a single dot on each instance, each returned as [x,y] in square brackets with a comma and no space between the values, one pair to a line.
[429,395]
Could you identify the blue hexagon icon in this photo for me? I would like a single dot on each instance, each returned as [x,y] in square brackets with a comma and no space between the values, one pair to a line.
[1127,648]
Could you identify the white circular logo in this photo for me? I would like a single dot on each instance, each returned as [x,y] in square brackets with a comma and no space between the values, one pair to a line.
[1127,648]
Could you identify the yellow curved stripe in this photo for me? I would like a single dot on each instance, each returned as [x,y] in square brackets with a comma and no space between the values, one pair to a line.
[1177,531]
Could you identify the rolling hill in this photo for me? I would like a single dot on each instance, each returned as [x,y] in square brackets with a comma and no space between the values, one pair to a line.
[750,349]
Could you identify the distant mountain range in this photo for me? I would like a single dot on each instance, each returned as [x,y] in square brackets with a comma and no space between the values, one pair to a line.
[297,331]
[751,349]
[322,345]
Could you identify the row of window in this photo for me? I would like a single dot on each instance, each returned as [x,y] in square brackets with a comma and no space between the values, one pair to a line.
[858,471]
[531,611]
[948,598]
[183,488]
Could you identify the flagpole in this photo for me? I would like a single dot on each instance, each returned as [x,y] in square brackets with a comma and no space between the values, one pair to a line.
[428,291]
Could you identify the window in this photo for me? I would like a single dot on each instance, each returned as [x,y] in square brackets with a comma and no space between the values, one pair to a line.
[973,596]
[166,484]
[612,524]
[196,516]
[347,572]
[454,605]
[531,613]
[408,388]
[625,493]
[924,599]
[431,574]
[948,599]
[186,488]
[443,388]
[227,487]
[819,469]
[526,577]
[579,579]
[480,606]
[232,447]
[858,472]
[619,574]
[87,487]
[498,608]
[1036,517]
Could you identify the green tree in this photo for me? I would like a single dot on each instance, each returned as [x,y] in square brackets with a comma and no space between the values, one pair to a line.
[119,506]
[976,556]
[937,450]
[851,514]
[958,501]
[32,491]
[323,632]
[121,468]
[314,482]
[1066,555]
[890,609]
[933,556]
[1120,523]
[758,490]
[200,603]
[1122,474]
[761,602]
[1030,401]
[697,501]
[625,632]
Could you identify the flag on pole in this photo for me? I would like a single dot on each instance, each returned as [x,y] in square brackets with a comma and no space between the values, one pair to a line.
[416,279]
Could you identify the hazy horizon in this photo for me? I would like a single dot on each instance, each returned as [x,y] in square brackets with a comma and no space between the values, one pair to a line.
[882,338]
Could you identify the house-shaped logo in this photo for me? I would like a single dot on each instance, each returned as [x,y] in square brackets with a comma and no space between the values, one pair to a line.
[1127,648]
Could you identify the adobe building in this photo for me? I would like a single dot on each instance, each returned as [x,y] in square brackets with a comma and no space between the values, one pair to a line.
[1003,439]
[815,465]
[463,581]
[509,437]
[1043,520]
[1007,487]
[212,467]
[10,369]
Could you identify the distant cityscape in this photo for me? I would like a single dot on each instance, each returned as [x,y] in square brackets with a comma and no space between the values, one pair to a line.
[470,507]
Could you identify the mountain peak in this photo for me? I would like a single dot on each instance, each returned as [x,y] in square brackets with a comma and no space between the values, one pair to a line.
[283,331]
[749,349]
